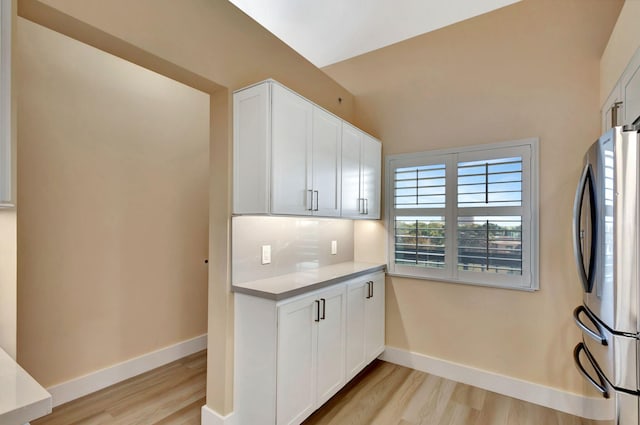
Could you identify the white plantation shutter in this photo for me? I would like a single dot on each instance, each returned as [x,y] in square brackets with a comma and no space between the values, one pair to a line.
[490,183]
[421,186]
[465,216]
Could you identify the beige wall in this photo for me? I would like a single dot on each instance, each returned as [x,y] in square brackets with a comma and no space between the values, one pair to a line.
[113,219]
[213,46]
[212,39]
[8,240]
[623,43]
[8,287]
[527,70]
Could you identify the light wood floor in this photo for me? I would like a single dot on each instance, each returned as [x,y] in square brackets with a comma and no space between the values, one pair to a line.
[170,395]
[387,394]
[384,394]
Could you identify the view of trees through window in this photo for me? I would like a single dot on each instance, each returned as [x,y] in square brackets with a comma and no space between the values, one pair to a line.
[484,243]
[420,241]
[490,244]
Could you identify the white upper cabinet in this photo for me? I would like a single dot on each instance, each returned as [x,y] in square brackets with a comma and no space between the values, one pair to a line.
[291,151]
[251,148]
[327,157]
[289,158]
[351,195]
[622,107]
[370,180]
[613,110]
[361,164]
[630,90]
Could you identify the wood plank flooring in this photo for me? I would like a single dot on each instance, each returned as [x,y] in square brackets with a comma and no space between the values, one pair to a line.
[170,395]
[384,394]
[388,394]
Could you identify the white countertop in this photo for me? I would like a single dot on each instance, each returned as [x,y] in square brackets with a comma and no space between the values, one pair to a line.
[292,284]
[22,399]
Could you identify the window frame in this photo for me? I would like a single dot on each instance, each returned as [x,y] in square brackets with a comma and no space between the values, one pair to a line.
[528,149]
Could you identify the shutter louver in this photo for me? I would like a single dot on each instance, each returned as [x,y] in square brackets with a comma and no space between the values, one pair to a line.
[491,183]
[420,187]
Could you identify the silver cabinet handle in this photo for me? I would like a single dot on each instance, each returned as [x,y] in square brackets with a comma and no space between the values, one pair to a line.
[615,108]
[310,200]
[366,206]
[586,183]
[317,196]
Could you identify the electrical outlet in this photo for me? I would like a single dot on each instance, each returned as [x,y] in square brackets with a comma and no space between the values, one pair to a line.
[266,254]
[334,247]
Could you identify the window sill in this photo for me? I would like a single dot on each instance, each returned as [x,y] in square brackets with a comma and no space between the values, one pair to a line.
[464,282]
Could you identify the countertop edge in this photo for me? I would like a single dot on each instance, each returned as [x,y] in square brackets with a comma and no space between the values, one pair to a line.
[37,404]
[308,288]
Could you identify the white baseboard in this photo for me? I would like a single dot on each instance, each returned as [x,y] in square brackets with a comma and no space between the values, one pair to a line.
[574,404]
[211,417]
[94,381]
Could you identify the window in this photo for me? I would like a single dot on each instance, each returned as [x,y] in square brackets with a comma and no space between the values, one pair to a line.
[467,215]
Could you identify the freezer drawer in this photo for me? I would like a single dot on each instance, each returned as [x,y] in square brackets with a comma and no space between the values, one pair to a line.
[623,406]
[616,355]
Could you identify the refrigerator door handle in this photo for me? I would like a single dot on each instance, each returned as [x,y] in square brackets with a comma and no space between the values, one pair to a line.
[600,386]
[586,276]
[598,336]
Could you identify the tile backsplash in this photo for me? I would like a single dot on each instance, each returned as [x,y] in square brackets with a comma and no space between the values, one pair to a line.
[297,243]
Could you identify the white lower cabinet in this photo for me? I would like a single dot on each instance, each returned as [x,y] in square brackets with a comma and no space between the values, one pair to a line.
[311,341]
[291,356]
[331,373]
[365,321]
[297,360]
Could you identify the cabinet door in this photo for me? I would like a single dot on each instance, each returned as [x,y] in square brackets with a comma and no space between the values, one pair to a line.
[326,163]
[296,371]
[251,132]
[607,112]
[374,318]
[291,129]
[356,298]
[351,147]
[630,88]
[370,176]
[331,343]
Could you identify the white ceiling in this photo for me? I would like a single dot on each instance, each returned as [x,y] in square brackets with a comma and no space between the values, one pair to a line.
[329,31]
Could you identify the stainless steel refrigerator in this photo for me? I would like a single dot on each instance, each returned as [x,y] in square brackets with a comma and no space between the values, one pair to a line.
[606,242]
